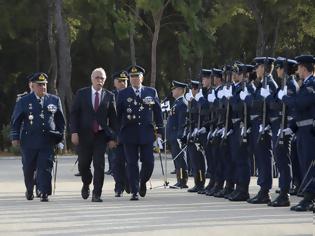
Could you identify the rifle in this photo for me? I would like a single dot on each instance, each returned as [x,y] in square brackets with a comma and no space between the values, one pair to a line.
[211,107]
[280,139]
[264,115]
[227,113]
[244,134]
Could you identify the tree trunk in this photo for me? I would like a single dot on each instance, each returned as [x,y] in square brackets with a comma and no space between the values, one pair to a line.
[53,68]
[132,41]
[261,40]
[65,66]
[275,39]
[157,17]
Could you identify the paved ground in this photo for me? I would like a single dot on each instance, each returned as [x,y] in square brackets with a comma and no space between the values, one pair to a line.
[161,212]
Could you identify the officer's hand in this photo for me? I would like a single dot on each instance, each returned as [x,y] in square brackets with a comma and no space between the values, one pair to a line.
[265,92]
[75,138]
[15,143]
[283,92]
[112,144]
[244,94]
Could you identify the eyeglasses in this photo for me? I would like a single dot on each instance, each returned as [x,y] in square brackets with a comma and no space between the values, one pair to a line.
[98,77]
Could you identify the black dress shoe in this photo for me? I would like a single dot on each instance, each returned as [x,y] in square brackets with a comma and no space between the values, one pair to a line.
[173,172]
[175,186]
[96,198]
[202,191]
[277,191]
[77,174]
[134,197]
[262,197]
[44,197]
[37,192]
[239,196]
[294,190]
[281,201]
[303,205]
[29,195]
[143,189]
[195,189]
[109,172]
[118,194]
[212,191]
[127,188]
[85,192]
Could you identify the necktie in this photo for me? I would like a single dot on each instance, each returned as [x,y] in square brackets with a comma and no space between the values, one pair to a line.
[96,101]
[137,92]
[96,105]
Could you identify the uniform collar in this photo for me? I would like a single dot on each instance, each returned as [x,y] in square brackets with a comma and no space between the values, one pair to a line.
[307,78]
[179,97]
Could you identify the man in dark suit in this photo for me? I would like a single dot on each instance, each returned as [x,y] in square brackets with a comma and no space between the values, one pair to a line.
[138,108]
[37,124]
[93,124]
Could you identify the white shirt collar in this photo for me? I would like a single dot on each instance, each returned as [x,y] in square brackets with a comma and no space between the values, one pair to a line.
[134,89]
[94,91]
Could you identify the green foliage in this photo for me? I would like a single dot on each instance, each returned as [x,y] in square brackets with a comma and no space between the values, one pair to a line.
[193,34]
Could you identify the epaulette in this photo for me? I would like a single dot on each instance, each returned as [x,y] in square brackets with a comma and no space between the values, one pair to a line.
[20,95]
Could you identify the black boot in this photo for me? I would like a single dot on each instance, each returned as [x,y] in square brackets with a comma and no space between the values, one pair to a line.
[228,189]
[283,200]
[177,185]
[207,188]
[263,197]
[199,182]
[183,178]
[240,193]
[216,188]
[307,204]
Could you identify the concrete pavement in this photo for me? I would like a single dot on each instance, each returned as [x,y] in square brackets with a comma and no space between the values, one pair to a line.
[161,212]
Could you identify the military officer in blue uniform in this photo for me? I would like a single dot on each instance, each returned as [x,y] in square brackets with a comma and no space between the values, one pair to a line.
[303,103]
[217,173]
[175,131]
[261,125]
[282,144]
[195,150]
[138,110]
[119,166]
[237,139]
[43,127]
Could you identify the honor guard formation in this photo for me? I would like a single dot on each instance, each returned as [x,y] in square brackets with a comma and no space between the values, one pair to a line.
[224,126]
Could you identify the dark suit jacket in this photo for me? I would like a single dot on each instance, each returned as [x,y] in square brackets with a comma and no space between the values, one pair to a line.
[83,115]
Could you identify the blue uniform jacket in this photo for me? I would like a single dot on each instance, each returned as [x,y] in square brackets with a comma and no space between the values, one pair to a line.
[176,120]
[138,115]
[37,121]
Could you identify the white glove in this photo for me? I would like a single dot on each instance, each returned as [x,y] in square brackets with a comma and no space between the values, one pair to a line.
[229,132]
[221,131]
[189,96]
[283,92]
[221,93]
[287,131]
[202,130]
[264,92]
[228,92]
[244,94]
[261,128]
[60,146]
[215,132]
[209,135]
[249,130]
[194,132]
[199,95]
[160,143]
[211,96]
